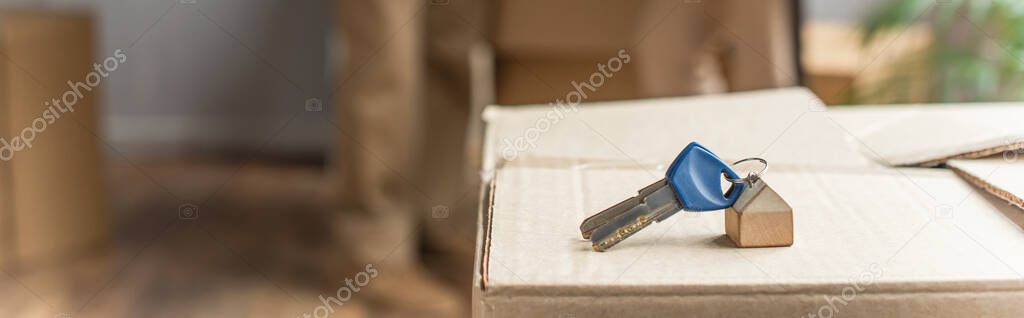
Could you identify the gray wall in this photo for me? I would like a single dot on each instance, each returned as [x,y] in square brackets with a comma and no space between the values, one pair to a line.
[211,74]
[849,11]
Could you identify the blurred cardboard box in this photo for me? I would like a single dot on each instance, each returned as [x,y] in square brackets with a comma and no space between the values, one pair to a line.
[870,240]
[542,48]
[52,194]
[839,68]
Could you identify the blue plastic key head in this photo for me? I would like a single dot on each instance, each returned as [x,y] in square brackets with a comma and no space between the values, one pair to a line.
[696,177]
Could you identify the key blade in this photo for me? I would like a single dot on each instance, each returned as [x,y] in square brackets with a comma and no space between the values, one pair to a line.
[604,217]
[613,233]
[608,215]
[654,207]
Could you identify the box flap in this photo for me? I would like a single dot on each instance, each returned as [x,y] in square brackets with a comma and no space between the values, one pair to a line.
[919,135]
[1002,177]
[787,125]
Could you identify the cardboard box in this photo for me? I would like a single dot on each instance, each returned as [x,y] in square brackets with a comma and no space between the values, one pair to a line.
[870,240]
[838,65]
[928,136]
[52,195]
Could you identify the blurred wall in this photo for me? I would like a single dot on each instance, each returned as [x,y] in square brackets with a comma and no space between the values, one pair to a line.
[235,74]
[211,74]
[846,11]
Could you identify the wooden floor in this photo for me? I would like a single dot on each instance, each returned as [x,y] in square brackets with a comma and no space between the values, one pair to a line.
[261,247]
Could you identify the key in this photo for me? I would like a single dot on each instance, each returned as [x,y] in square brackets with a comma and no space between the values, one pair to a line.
[655,202]
[692,183]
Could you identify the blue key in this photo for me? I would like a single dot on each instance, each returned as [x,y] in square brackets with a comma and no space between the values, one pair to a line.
[692,183]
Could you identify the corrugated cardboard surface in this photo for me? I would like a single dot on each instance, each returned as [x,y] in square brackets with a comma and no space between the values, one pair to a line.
[1002,176]
[870,241]
[53,195]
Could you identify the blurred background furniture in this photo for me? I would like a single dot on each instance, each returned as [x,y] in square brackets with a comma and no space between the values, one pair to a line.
[679,47]
[53,196]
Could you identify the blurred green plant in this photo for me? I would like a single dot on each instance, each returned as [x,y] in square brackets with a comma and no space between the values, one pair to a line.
[976,52]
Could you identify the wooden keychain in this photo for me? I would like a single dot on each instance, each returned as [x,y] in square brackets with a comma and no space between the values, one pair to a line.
[760,217]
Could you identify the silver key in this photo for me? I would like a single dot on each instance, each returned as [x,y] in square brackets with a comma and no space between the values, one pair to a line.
[653,203]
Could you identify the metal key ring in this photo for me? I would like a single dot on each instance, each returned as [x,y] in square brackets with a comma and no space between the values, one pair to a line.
[751,177]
